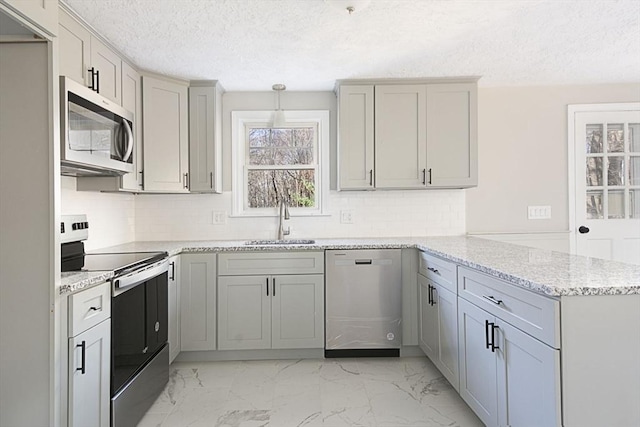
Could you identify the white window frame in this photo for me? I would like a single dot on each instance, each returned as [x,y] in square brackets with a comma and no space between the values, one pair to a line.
[241,121]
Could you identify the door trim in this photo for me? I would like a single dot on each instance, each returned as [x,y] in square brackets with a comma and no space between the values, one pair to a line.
[572,110]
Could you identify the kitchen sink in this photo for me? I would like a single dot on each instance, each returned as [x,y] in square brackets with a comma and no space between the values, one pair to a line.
[279,242]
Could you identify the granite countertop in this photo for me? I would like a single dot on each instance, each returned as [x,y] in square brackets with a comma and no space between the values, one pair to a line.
[543,271]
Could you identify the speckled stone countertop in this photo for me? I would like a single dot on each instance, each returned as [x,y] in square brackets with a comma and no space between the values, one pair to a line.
[542,271]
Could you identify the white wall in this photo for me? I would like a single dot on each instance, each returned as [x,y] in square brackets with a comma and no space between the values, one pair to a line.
[111,216]
[523,154]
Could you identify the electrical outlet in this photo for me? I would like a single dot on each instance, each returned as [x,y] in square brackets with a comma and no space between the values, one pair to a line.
[346,217]
[218,217]
[539,212]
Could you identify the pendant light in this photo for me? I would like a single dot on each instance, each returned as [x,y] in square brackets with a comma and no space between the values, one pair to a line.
[279,119]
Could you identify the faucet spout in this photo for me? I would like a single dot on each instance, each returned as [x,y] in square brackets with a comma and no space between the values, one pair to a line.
[284,215]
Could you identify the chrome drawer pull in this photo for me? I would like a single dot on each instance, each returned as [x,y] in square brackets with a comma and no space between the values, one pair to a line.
[492,299]
[435,270]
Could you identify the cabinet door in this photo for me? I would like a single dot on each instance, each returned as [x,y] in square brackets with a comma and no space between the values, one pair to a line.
[297,311]
[428,320]
[165,124]
[400,136]
[43,13]
[528,380]
[355,138]
[109,65]
[132,101]
[478,383]
[174,307]
[446,304]
[198,302]
[452,141]
[244,312]
[204,145]
[89,393]
[75,48]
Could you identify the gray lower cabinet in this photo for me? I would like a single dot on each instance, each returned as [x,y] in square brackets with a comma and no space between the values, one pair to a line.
[174,307]
[278,311]
[508,377]
[197,301]
[438,327]
[89,357]
[271,300]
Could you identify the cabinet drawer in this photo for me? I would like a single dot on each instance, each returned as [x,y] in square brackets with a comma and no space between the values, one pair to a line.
[231,264]
[534,314]
[88,308]
[440,271]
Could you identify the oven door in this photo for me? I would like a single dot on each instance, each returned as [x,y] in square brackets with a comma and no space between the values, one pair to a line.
[138,328]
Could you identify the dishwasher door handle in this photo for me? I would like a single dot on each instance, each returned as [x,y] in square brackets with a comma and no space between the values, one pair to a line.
[363,262]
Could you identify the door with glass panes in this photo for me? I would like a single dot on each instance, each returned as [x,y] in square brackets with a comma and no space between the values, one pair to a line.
[607,182]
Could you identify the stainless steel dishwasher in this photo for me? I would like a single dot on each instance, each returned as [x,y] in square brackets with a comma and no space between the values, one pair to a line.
[363,302]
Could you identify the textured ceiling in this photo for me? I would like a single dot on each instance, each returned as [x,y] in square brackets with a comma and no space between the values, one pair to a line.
[308,44]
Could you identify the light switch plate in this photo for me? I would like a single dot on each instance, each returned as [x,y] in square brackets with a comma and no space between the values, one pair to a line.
[218,217]
[539,212]
[346,216]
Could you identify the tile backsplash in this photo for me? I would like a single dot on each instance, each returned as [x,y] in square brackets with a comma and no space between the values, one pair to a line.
[117,218]
[111,216]
[373,214]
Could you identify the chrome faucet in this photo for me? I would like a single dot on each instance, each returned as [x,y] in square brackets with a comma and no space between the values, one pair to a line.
[284,215]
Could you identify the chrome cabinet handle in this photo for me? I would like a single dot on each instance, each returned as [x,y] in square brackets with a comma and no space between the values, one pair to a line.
[371,177]
[185,180]
[435,270]
[429,176]
[211,178]
[424,177]
[492,299]
[173,271]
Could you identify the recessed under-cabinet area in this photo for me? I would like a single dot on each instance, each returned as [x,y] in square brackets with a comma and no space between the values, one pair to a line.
[406,134]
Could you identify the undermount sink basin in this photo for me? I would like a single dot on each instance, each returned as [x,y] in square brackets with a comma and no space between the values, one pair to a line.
[279,242]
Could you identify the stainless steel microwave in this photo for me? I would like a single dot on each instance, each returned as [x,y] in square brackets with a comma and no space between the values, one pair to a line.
[96,134]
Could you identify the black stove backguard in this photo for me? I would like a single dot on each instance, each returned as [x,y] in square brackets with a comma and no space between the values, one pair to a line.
[72,256]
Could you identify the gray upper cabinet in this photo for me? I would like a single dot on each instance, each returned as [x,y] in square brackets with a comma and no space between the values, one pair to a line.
[400,136]
[132,101]
[452,135]
[81,51]
[205,135]
[165,128]
[407,134]
[43,13]
[355,127]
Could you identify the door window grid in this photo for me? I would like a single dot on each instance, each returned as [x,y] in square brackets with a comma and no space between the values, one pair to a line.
[610,188]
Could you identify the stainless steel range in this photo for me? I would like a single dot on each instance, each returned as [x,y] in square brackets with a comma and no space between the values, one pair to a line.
[139,317]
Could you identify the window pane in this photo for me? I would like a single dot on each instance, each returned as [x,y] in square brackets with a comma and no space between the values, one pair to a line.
[594,171]
[290,146]
[634,170]
[268,187]
[634,137]
[615,138]
[594,139]
[616,204]
[615,170]
[594,204]
[634,203]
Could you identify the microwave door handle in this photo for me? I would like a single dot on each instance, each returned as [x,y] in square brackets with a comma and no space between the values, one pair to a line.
[127,128]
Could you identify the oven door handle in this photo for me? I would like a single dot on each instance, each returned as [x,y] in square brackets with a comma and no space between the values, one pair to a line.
[124,283]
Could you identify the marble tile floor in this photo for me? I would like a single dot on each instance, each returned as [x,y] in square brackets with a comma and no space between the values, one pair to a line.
[380,392]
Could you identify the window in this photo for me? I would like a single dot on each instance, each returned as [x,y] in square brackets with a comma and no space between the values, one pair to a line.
[279,164]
